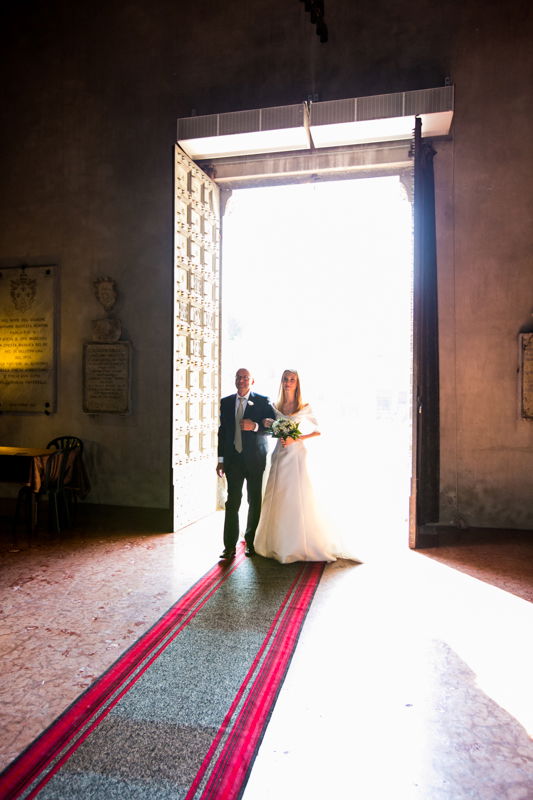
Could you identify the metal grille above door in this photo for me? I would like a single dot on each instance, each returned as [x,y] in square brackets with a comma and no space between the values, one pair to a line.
[196,341]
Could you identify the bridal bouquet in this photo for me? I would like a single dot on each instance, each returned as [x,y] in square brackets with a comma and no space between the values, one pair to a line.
[285,429]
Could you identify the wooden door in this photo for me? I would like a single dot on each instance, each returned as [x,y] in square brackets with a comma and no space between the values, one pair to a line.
[196,341]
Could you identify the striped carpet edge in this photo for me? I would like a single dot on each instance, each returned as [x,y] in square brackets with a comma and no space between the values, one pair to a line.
[229,760]
[74,724]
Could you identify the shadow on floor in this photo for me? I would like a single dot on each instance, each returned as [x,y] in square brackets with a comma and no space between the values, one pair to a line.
[90,521]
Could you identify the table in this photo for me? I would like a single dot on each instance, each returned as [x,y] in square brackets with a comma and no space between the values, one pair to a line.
[24,465]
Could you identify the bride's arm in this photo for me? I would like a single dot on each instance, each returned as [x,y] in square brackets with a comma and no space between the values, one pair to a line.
[309,435]
[288,442]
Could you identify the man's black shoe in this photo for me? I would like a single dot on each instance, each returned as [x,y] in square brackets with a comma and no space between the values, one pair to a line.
[250,550]
[227,554]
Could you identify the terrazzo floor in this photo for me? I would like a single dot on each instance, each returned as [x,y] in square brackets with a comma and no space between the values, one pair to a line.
[412,678]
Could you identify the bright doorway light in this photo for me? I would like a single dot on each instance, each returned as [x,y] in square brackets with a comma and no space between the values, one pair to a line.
[318,277]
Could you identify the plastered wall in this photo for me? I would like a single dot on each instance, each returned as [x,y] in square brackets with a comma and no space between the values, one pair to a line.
[485,207]
[91,95]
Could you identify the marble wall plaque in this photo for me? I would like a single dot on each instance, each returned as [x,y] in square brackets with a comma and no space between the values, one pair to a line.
[106,378]
[526,375]
[27,340]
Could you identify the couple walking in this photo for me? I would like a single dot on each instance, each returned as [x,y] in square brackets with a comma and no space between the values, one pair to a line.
[285,525]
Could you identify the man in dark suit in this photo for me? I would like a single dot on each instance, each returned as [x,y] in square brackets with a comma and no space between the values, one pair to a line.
[242,452]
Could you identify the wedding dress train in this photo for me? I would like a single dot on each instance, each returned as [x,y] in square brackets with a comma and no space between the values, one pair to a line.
[291,527]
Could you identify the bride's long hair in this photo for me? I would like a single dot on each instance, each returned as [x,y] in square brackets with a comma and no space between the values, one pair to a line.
[297,393]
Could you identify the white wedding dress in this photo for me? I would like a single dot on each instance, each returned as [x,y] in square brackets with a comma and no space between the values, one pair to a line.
[291,527]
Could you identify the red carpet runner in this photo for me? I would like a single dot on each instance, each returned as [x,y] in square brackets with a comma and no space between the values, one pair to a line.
[69,760]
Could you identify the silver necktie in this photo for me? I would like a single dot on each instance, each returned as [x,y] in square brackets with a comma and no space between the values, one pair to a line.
[238,433]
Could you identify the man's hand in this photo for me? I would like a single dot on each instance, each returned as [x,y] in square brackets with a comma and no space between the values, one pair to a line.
[220,469]
[248,425]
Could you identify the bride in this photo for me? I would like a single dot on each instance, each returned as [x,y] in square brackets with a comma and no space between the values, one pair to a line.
[290,527]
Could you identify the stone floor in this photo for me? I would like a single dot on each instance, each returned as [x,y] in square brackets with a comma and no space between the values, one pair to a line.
[412,678]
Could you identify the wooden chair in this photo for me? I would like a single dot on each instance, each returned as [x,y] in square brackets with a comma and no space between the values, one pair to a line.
[66,443]
[72,489]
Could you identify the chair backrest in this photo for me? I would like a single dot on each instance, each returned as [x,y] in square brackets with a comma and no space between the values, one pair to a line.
[54,471]
[66,443]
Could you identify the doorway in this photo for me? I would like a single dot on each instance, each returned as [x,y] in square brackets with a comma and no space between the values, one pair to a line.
[318,277]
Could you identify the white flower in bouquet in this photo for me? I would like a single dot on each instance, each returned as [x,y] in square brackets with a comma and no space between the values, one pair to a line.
[285,429]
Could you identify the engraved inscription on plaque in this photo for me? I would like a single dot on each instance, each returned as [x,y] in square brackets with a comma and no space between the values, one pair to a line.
[526,375]
[106,378]
[27,352]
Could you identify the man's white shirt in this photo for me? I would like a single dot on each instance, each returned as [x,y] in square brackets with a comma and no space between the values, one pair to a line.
[238,399]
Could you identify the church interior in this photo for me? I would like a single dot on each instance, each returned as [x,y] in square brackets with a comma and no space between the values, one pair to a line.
[411,677]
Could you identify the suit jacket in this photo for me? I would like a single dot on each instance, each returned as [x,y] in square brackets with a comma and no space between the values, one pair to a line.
[254,444]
